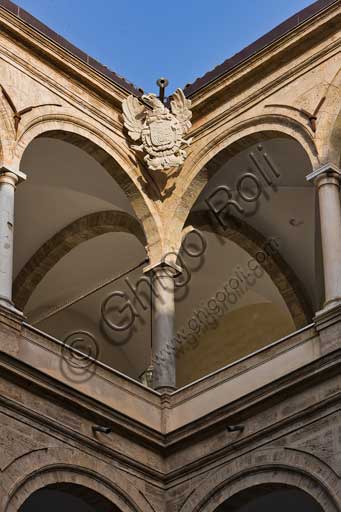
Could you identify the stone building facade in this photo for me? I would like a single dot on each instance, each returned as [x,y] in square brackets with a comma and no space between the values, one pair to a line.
[252,420]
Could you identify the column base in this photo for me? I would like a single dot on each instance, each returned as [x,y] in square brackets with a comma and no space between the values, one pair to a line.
[165,389]
[329,305]
[10,316]
[9,305]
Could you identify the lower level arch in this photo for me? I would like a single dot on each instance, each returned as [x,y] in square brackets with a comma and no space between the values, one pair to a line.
[77,481]
[276,467]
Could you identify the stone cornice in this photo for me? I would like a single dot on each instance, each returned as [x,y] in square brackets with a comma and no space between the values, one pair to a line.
[57,56]
[236,447]
[302,342]
[240,411]
[76,405]
[280,31]
[68,94]
[76,400]
[97,82]
[279,51]
[92,412]
[260,95]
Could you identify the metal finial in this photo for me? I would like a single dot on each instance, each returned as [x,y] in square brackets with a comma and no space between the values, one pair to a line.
[162,83]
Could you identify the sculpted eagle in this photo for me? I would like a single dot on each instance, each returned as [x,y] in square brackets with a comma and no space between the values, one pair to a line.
[161,130]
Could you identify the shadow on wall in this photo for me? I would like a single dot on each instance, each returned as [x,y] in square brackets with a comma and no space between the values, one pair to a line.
[237,334]
[67,498]
[279,500]
[54,501]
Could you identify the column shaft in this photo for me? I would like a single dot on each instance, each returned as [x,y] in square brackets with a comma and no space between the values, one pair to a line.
[330,217]
[163,329]
[8,182]
[7,187]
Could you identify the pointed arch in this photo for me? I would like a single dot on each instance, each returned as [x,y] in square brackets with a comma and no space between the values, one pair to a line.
[108,152]
[265,467]
[56,465]
[203,164]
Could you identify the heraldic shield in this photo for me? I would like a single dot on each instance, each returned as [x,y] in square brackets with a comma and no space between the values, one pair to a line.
[162,134]
[161,129]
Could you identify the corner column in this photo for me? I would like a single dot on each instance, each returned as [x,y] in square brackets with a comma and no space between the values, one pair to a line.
[327,180]
[163,342]
[8,182]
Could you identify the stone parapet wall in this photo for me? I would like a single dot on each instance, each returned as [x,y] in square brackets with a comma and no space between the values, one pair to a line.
[290,426]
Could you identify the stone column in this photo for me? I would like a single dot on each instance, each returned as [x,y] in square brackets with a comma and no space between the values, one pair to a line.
[163,343]
[8,182]
[327,181]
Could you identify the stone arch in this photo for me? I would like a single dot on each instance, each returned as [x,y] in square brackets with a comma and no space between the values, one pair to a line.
[263,467]
[86,494]
[81,230]
[274,265]
[246,496]
[202,164]
[56,466]
[259,490]
[89,481]
[108,152]
[329,126]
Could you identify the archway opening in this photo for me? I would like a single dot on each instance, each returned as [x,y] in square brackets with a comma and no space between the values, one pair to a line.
[76,230]
[257,281]
[69,498]
[266,498]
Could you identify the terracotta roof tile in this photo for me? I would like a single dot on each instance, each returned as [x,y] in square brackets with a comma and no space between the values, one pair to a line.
[201,82]
[51,34]
[259,44]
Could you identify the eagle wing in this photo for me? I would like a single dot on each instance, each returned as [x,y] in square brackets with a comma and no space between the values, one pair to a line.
[180,107]
[133,116]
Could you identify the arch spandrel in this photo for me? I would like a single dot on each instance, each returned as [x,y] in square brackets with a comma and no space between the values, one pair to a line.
[109,153]
[269,466]
[55,465]
[7,134]
[329,128]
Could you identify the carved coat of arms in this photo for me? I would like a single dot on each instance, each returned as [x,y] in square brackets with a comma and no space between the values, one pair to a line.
[160,129]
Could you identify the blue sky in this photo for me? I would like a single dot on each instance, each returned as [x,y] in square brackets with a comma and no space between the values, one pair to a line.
[178,39]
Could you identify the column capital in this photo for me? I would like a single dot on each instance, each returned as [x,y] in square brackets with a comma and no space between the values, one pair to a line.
[15,177]
[169,266]
[324,171]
